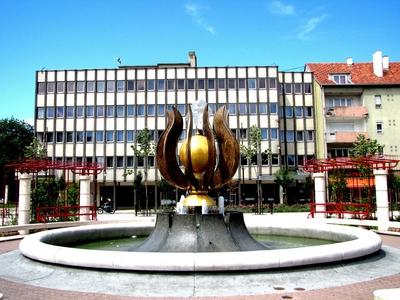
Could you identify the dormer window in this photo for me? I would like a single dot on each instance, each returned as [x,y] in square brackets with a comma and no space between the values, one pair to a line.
[341,78]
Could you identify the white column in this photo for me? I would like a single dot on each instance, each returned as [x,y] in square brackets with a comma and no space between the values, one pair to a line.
[319,193]
[24,201]
[6,194]
[382,201]
[84,196]
[221,205]
[204,207]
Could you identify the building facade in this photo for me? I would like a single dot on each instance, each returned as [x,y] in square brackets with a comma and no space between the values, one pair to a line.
[356,98]
[94,115]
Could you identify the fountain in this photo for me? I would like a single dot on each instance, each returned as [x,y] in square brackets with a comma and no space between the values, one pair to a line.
[195,241]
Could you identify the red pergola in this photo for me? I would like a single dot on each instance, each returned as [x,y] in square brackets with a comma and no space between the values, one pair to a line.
[39,165]
[329,164]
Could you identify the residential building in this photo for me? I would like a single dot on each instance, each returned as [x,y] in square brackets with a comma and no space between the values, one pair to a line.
[356,98]
[93,115]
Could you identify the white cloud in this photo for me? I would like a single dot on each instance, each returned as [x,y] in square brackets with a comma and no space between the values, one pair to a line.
[309,26]
[279,8]
[193,10]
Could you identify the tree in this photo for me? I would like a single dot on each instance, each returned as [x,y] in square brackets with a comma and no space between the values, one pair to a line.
[143,148]
[365,147]
[284,177]
[250,152]
[35,150]
[15,136]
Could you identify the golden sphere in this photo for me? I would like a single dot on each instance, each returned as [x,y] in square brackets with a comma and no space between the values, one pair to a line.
[198,153]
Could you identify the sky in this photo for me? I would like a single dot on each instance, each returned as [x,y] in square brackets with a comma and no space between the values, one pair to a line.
[85,34]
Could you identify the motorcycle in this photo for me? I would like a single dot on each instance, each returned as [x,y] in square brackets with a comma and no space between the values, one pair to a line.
[105,208]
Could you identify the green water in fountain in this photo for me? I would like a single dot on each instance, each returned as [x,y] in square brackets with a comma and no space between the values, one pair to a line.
[272,241]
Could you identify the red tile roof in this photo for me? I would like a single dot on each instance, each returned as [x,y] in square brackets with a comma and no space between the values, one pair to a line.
[361,73]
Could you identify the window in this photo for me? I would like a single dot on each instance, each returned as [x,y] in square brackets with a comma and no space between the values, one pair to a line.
[190,84]
[310,135]
[110,86]
[262,108]
[90,111]
[242,108]
[291,160]
[201,84]
[109,136]
[100,111]
[140,110]
[70,137]
[70,87]
[151,83]
[79,112]
[308,112]
[110,161]
[79,136]
[252,83]
[50,112]
[70,112]
[243,133]
[99,160]
[221,84]
[300,160]
[182,109]
[100,86]
[273,108]
[120,161]
[297,88]
[60,137]
[160,110]
[49,137]
[140,85]
[336,102]
[60,87]
[80,87]
[160,85]
[50,87]
[99,136]
[41,88]
[274,133]
[290,135]
[261,83]
[264,134]
[60,111]
[242,83]
[232,108]
[130,136]
[129,161]
[89,136]
[298,111]
[130,85]
[170,84]
[243,160]
[272,83]
[299,136]
[40,112]
[289,111]
[252,108]
[150,161]
[120,135]
[110,111]
[212,108]
[130,110]
[379,127]
[151,110]
[181,84]
[378,101]
[140,161]
[341,78]
[211,84]
[264,158]
[120,86]
[120,111]
[275,159]
[307,88]
[90,86]
[288,88]
[231,83]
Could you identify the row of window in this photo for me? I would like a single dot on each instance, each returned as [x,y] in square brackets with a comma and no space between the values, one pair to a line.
[140,110]
[129,161]
[120,86]
[294,88]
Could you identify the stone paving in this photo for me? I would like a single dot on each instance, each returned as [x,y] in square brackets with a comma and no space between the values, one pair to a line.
[362,290]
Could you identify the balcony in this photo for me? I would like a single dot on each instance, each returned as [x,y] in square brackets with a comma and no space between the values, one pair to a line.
[347,112]
[343,136]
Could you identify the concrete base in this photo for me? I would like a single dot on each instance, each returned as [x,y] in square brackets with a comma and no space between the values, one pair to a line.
[48,247]
[387,294]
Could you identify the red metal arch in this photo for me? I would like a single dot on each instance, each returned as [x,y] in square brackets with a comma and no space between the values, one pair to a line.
[38,165]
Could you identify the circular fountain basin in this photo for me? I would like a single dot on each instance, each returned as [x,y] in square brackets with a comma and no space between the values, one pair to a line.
[49,247]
